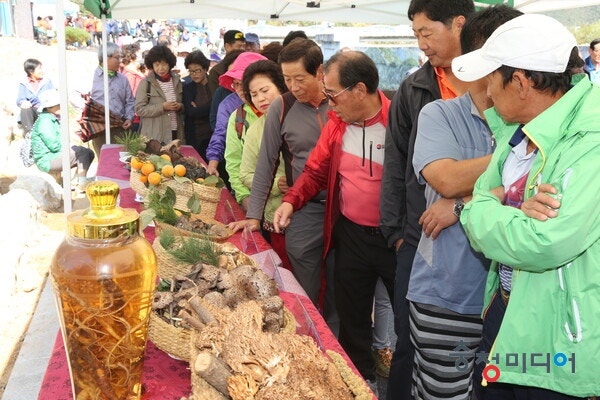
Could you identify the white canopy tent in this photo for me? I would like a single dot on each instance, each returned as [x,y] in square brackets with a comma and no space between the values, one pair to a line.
[368,11]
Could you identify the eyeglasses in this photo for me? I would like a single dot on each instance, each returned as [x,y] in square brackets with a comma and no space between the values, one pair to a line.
[117,57]
[236,85]
[195,71]
[331,96]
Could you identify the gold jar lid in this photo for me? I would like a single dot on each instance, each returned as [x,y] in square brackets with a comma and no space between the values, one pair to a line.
[104,219]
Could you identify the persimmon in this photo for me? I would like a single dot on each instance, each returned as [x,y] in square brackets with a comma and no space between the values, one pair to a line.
[154,178]
[148,168]
[143,178]
[166,157]
[167,171]
[180,170]
[135,163]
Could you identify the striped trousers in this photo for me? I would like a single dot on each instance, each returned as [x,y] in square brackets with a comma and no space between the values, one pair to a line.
[438,334]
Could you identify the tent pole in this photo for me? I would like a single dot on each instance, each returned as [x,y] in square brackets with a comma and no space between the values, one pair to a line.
[105,75]
[61,49]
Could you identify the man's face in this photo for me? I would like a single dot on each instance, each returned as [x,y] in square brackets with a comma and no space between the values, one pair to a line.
[440,43]
[595,54]
[237,45]
[341,99]
[505,98]
[114,61]
[253,47]
[304,86]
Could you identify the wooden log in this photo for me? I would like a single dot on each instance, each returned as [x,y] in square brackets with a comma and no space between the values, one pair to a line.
[212,370]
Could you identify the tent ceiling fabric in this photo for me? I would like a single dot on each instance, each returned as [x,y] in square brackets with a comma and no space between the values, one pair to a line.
[380,12]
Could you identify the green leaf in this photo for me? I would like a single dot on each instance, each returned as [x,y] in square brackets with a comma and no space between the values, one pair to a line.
[211,180]
[146,217]
[181,179]
[194,204]
[164,285]
[169,197]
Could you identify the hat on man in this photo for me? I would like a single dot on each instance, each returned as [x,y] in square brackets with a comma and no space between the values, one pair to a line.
[232,35]
[238,67]
[252,38]
[531,42]
[49,98]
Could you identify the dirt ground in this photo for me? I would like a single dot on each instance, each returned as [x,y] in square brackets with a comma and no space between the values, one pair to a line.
[81,63]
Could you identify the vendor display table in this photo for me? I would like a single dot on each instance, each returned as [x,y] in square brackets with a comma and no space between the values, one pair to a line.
[166,378]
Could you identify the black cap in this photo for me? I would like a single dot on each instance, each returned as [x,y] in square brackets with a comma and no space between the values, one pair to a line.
[233,35]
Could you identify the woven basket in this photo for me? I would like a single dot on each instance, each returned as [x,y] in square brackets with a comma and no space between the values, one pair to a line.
[209,196]
[168,266]
[182,232]
[168,338]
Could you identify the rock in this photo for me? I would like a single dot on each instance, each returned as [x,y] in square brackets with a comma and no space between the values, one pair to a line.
[43,189]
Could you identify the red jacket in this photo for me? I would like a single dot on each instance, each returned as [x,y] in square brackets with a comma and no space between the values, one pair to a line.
[320,171]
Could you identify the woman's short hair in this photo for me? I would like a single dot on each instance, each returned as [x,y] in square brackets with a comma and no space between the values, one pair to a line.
[263,67]
[160,53]
[30,65]
[197,57]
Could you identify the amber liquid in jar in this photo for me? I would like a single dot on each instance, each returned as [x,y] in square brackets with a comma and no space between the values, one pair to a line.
[104,294]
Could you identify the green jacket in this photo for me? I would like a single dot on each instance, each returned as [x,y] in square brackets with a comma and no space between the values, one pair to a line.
[233,150]
[46,140]
[248,166]
[554,305]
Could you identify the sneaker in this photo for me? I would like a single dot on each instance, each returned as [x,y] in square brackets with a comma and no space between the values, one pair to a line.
[383,360]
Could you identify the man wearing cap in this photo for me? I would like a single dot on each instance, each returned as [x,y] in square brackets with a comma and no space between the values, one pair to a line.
[234,40]
[535,213]
[437,25]
[252,42]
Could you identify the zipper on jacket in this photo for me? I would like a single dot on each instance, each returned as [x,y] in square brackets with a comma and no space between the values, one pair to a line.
[363,145]
[371,158]
[531,185]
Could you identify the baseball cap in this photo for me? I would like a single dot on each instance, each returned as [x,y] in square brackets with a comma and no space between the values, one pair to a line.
[238,67]
[532,42]
[49,98]
[233,35]
[252,38]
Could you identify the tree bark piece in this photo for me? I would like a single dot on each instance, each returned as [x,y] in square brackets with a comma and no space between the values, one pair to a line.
[213,371]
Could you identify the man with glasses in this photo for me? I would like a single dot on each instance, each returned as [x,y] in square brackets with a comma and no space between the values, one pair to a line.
[121,100]
[292,127]
[348,161]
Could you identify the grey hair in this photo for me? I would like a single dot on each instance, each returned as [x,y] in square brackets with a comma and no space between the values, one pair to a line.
[111,49]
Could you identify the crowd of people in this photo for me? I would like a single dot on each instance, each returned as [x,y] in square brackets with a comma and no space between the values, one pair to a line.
[465,204]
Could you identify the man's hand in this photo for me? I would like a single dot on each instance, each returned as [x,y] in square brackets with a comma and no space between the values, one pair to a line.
[283,215]
[282,184]
[211,168]
[438,217]
[252,224]
[245,202]
[498,192]
[542,206]
[127,124]
[398,244]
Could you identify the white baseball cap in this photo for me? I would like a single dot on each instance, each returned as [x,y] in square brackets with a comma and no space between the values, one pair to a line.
[49,98]
[531,42]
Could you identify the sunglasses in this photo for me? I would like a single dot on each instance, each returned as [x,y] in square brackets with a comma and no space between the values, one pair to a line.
[331,96]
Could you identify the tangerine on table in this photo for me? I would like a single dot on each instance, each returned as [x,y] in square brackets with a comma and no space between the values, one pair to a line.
[180,170]
[148,168]
[167,171]
[143,179]
[166,157]
[154,178]
[136,163]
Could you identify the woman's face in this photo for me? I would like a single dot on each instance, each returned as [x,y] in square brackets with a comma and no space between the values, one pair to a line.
[197,73]
[263,91]
[161,67]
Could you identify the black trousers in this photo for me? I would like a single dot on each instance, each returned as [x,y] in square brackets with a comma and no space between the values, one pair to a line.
[400,379]
[361,257]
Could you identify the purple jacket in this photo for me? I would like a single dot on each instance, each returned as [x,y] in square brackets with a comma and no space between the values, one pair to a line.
[216,147]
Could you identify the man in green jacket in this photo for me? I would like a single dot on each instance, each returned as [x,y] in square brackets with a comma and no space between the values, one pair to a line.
[535,212]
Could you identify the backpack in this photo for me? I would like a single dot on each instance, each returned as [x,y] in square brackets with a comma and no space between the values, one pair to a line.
[26,152]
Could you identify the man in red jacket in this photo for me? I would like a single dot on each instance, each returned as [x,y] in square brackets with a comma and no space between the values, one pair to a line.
[348,162]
